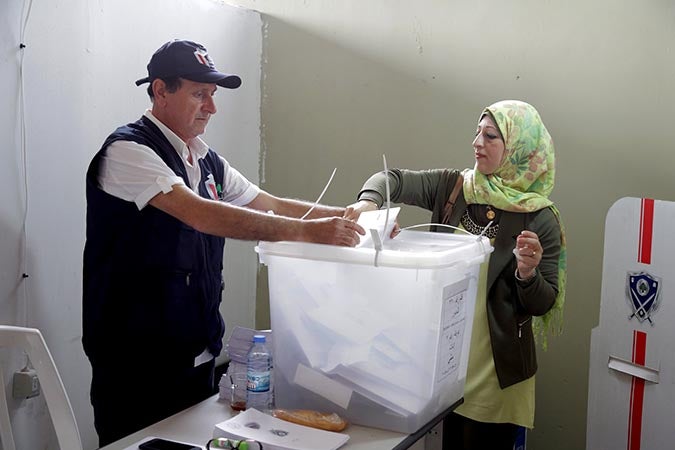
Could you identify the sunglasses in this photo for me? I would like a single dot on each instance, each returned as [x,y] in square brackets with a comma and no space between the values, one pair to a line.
[228,444]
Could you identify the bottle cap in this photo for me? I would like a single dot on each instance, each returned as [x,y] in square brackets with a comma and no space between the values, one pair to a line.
[259,338]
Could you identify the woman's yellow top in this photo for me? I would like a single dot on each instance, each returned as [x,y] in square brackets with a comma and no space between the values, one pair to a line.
[484,400]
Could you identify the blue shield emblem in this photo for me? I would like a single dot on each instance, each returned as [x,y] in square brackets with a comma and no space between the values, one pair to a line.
[643,292]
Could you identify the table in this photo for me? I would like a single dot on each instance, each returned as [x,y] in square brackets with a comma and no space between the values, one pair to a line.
[195,425]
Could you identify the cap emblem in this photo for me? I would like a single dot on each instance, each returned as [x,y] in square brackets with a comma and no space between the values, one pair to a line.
[204,58]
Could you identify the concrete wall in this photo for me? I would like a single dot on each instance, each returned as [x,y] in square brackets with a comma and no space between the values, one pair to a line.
[346,81]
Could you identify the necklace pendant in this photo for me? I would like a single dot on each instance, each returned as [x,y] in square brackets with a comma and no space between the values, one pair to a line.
[490,214]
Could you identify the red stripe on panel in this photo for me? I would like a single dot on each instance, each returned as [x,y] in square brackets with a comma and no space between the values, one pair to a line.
[637,392]
[646,229]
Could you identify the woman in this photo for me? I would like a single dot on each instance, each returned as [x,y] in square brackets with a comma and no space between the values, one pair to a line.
[505,196]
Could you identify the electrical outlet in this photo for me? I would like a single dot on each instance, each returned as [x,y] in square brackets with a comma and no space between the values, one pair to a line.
[25,384]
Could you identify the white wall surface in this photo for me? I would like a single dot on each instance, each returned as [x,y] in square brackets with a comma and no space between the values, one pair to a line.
[80,63]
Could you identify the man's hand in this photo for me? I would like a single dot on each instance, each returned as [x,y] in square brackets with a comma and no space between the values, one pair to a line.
[332,230]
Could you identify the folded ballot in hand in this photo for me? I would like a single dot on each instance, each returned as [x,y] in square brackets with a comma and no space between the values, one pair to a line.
[378,221]
[277,434]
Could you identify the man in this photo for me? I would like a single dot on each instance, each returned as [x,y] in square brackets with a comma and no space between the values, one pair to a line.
[159,204]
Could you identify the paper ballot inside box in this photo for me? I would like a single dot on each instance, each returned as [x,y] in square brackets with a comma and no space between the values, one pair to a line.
[277,434]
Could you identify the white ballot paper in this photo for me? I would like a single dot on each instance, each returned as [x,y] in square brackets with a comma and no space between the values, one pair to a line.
[377,220]
[277,434]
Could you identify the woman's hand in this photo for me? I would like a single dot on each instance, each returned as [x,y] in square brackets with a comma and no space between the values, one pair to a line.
[353,211]
[528,254]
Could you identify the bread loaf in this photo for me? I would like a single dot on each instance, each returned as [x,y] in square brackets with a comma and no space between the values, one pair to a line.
[310,418]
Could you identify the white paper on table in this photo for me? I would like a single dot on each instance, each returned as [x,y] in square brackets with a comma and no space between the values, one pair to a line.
[277,434]
[375,220]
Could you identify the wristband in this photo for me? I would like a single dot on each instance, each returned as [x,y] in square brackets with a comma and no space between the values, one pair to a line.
[371,201]
[534,274]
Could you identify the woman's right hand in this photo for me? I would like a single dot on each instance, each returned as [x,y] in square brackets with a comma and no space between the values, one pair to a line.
[353,211]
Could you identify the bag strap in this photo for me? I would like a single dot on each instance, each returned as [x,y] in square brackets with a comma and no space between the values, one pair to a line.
[450,204]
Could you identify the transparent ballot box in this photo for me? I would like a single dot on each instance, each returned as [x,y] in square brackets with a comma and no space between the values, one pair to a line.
[379,337]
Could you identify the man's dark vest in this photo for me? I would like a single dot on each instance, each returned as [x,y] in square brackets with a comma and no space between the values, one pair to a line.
[152,284]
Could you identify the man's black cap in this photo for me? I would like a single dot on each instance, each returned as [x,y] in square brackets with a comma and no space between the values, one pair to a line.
[189,60]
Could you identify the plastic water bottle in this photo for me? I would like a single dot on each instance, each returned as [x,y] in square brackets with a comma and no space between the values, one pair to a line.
[259,388]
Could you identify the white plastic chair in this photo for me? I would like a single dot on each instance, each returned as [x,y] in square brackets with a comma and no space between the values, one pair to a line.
[31,342]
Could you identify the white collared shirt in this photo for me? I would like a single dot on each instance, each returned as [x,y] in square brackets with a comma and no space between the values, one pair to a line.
[134,172]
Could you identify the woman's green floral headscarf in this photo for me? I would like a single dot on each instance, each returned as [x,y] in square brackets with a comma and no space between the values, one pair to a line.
[522,183]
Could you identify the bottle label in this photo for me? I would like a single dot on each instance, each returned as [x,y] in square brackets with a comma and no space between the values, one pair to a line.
[257,381]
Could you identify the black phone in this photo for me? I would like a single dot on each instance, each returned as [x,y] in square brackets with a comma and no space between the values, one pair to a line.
[163,444]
